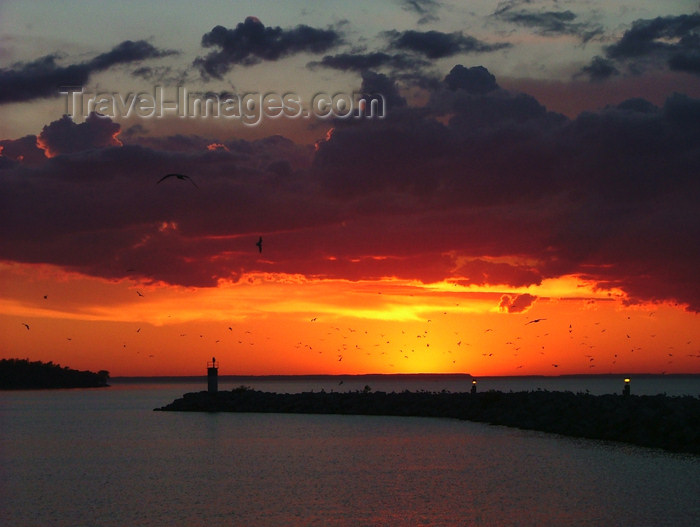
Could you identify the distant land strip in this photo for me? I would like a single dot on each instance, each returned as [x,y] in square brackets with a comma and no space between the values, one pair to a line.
[658,421]
[22,374]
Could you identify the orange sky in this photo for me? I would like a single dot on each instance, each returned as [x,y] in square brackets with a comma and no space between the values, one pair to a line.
[529,163]
[285,324]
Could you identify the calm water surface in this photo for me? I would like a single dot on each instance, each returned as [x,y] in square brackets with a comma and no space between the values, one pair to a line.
[104,458]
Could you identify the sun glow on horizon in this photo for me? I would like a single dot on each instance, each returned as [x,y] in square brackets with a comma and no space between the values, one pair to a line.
[279,323]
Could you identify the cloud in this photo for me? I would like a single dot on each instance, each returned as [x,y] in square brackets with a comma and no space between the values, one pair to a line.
[100,211]
[43,77]
[604,195]
[427,9]
[476,79]
[374,84]
[549,22]
[65,136]
[368,61]
[661,35]
[671,41]
[600,69]
[23,150]
[128,52]
[686,61]
[436,44]
[483,187]
[251,42]
[161,74]
[404,59]
[473,99]
[516,304]
[480,271]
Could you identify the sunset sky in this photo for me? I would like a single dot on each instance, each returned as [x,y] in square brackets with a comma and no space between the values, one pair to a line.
[524,201]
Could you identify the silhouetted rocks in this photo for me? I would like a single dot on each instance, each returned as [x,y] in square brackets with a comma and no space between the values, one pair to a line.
[671,423]
[21,374]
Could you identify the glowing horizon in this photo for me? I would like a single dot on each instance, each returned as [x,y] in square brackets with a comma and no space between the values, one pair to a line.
[281,324]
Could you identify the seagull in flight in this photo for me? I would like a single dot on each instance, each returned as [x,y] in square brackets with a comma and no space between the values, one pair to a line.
[25,325]
[535,321]
[181,177]
[259,244]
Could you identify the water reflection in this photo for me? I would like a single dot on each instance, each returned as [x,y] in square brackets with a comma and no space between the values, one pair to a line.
[105,458]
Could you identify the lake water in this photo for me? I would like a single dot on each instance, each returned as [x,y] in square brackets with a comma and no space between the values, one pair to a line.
[103,458]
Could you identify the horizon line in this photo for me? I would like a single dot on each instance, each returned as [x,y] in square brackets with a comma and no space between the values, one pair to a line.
[404,375]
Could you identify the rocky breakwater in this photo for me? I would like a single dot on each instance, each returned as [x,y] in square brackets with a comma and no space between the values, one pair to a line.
[670,423]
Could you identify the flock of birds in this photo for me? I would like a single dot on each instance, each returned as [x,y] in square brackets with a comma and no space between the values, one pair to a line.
[404,345]
[389,347]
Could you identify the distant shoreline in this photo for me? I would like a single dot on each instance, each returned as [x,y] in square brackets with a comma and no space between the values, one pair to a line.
[669,423]
[423,376]
[23,374]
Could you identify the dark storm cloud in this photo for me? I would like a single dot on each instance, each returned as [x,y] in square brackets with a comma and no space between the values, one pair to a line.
[476,79]
[473,99]
[377,83]
[549,22]
[482,272]
[600,69]
[660,35]
[24,149]
[170,143]
[672,41]
[251,42]
[689,62]
[607,195]
[65,136]
[102,211]
[436,44]
[477,186]
[631,170]
[43,77]
[408,68]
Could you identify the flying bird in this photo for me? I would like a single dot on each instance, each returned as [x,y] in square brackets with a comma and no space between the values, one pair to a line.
[181,177]
[259,244]
[25,325]
[535,321]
